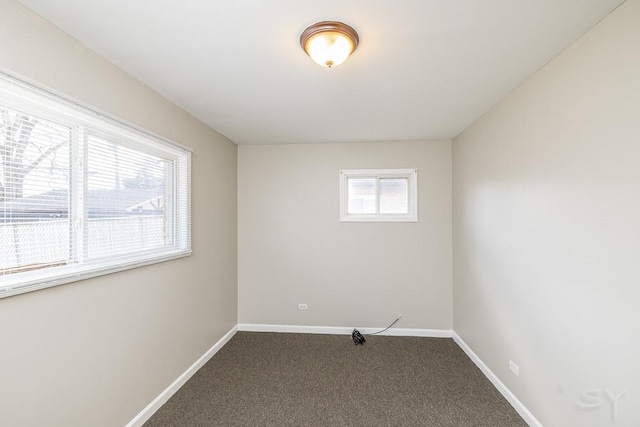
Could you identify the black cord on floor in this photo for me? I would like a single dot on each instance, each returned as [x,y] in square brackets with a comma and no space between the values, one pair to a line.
[358,338]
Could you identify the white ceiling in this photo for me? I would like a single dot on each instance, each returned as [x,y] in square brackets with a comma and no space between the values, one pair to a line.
[425,69]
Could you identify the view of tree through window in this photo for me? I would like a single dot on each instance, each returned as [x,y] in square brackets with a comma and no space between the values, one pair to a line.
[83,194]
[34,202]
[123,202]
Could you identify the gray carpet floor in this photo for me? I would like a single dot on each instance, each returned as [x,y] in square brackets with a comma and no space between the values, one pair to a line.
[268,379]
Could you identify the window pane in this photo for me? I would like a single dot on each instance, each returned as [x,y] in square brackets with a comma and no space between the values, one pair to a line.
[34,192]
[82,193]
[361,193]
[394,196]
[125,199]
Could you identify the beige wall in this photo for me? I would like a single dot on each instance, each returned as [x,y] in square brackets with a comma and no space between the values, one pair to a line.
[96,352]
[293,249]
[547,231]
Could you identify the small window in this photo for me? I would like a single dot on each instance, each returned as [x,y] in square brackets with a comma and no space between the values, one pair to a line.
[81,194]
[379,195]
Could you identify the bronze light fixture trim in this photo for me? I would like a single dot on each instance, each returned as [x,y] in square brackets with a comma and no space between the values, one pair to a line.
[329,43]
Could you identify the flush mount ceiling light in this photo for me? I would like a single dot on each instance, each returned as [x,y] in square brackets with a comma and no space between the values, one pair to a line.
[329,43]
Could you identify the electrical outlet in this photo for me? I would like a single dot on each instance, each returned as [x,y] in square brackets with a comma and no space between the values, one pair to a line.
[514,368]
[302,306]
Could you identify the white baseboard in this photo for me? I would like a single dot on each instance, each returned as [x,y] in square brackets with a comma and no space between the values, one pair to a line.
[511,398]
[339,330]
[152,407]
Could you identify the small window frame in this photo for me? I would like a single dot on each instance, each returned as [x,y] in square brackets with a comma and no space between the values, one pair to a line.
[412,195]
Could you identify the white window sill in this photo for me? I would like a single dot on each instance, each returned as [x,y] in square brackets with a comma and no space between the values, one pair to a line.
[379,218]
[49,277]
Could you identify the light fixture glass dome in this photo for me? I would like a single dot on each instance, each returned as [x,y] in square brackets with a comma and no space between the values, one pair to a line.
[329,43]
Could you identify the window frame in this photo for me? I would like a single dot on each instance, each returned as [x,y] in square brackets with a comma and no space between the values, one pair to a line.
[412,195]
[30,98]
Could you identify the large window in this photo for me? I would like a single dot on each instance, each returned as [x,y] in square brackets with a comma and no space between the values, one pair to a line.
[379,195]
[82,194]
